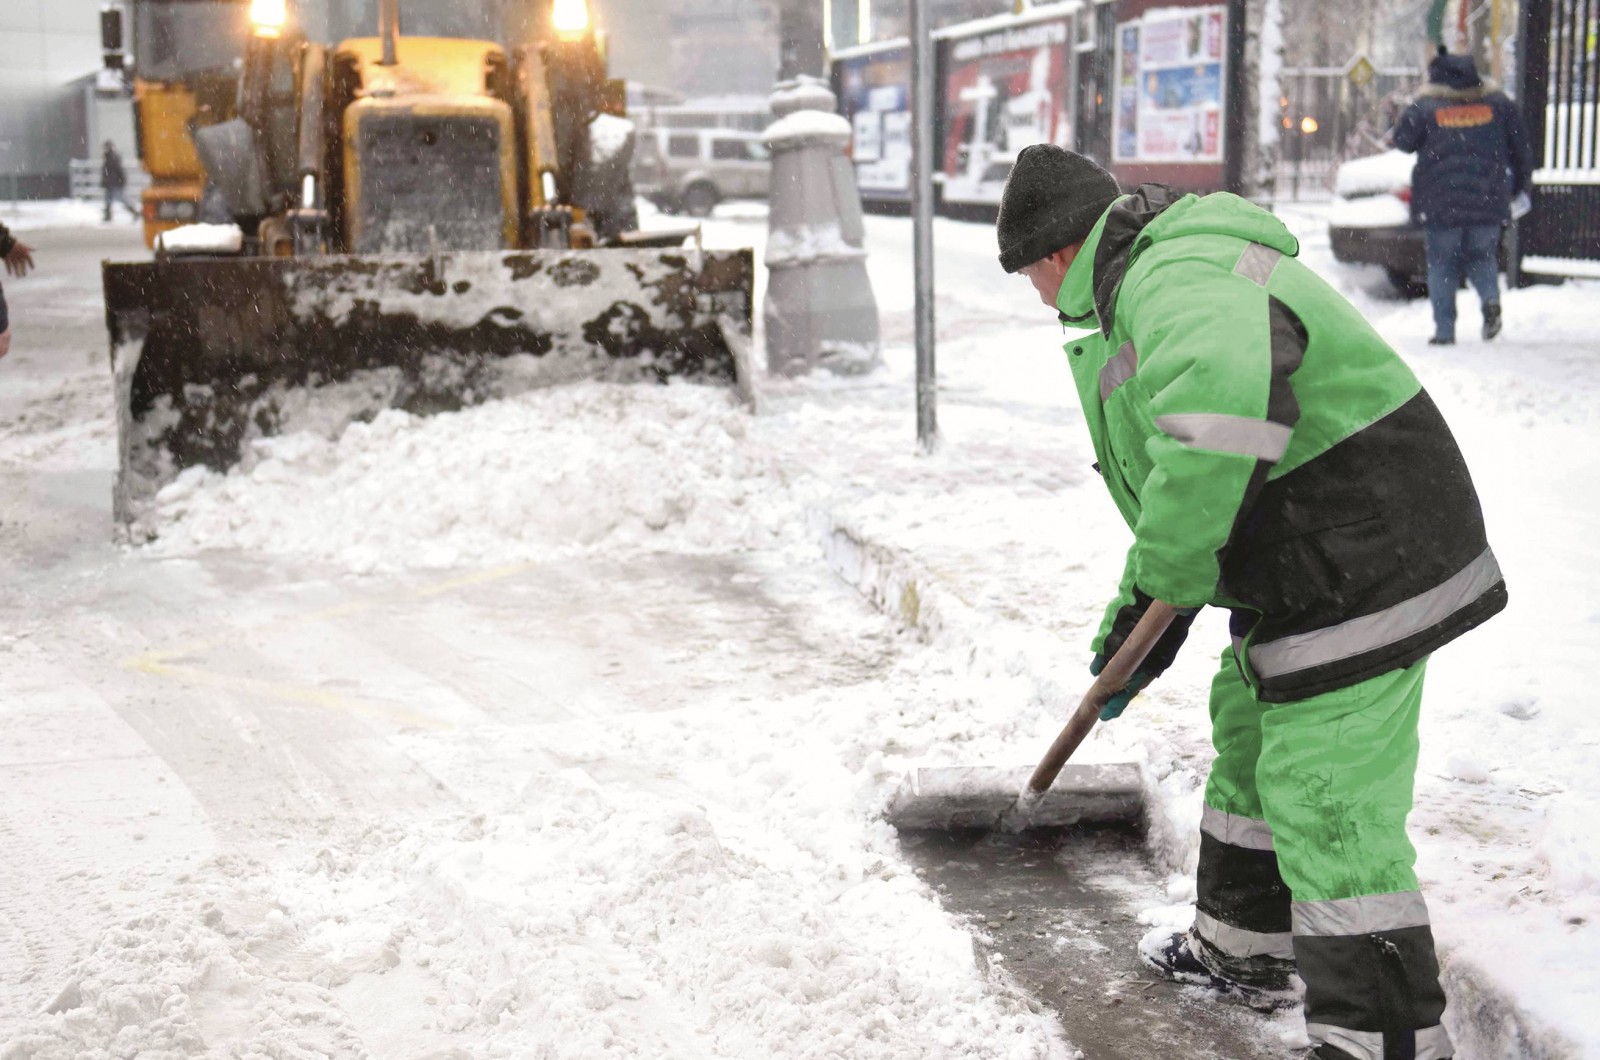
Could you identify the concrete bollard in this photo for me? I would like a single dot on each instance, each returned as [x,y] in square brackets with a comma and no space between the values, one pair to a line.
[819,309]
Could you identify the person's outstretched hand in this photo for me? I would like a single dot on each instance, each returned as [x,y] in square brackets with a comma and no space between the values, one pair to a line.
[20,259]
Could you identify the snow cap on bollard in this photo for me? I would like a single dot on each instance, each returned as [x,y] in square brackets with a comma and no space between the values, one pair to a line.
[819,309]
[806,127]
[1052,200]
[803,93]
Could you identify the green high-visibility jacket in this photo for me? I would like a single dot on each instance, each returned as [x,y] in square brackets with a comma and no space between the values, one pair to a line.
[1271,453]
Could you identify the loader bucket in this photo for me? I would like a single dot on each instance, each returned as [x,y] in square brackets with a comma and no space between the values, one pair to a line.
[211,354]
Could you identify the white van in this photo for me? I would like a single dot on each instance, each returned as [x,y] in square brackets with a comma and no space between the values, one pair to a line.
[691,170]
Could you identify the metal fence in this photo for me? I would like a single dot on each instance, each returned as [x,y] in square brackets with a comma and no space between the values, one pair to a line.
[1559,85]
[1329,115]
[1300,179]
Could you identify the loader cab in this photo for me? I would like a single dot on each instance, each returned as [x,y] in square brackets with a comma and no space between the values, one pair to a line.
[187,56]
[180,42]
[427,155]
[413,144]
[332,21]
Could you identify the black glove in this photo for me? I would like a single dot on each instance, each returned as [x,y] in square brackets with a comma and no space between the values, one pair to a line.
[1155,663]
[1166,649]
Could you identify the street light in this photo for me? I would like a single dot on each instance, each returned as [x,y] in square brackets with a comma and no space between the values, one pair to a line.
[570,18]
[268,17]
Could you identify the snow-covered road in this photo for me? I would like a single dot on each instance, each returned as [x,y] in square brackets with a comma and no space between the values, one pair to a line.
[246,769]
[546,738]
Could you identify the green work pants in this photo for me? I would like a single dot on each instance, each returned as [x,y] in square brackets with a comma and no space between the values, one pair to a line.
[1304,856]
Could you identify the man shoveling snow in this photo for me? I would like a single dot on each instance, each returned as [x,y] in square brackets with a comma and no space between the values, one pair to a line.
[1273,456]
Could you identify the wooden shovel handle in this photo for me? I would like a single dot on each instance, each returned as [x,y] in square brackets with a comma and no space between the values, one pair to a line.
[1112,679]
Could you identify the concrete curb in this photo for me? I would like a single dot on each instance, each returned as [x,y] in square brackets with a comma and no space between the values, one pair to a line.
[1485,1023]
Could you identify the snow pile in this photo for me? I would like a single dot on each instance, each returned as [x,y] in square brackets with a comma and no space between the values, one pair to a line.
[848,358]
[548,473]
[201,239]
[608,134]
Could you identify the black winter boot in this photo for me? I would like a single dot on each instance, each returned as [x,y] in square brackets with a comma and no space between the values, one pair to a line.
[1268,984]
[1329,1052]
[1491,320]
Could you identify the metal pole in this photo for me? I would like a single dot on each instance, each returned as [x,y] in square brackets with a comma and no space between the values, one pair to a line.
[1235,110]
[1341,100]
[388,29]
[1533,91]
[1302,105]
[922,73]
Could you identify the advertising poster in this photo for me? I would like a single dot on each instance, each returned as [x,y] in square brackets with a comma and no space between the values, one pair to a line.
[1169,87]
[873,90]
[1127,120]
[1003,89]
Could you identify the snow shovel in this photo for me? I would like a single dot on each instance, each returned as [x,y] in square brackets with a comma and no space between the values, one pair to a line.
[946,798]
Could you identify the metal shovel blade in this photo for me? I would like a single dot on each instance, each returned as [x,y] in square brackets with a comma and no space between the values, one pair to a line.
[953,797]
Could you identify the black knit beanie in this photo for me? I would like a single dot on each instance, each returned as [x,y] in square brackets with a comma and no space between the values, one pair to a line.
[1052,200]
[1453,71]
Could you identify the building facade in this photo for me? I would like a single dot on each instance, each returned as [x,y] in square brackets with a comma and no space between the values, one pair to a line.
[694,47]
[47,50]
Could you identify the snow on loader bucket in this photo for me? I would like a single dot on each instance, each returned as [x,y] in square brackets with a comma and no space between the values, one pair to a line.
[211,354]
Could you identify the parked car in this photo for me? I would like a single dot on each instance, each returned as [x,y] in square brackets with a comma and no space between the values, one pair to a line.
[748,113]
[691,170]
[1370,220]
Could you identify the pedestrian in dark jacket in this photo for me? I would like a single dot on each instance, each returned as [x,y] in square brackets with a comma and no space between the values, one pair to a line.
[1473,157]
[19,259]
[1274,456]
[114,179]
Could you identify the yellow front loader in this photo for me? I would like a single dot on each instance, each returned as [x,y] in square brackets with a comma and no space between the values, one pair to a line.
[423,221]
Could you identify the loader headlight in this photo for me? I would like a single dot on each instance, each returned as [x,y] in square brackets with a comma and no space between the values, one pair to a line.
[570,18]
[268,17]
